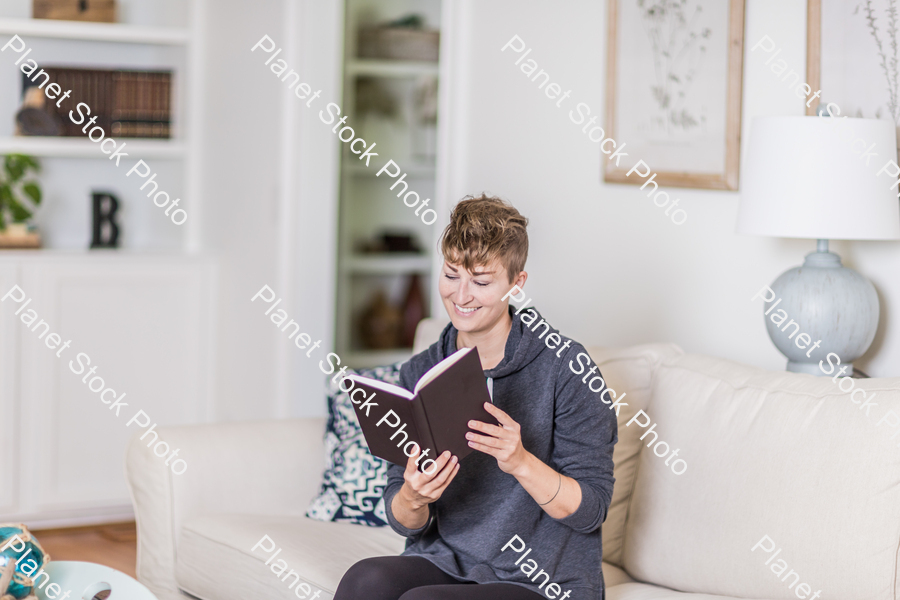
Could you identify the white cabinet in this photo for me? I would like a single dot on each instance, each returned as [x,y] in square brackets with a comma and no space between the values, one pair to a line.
[9,434]
[144,323]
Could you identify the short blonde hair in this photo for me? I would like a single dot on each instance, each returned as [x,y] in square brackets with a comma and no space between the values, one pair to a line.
[485,229]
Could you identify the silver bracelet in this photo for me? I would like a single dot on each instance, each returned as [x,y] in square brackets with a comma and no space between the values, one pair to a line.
[557,492]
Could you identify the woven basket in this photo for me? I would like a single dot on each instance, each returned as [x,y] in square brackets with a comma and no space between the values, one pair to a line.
[99,11]
[399,43]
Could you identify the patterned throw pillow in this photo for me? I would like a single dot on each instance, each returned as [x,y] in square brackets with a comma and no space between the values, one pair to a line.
[354,479]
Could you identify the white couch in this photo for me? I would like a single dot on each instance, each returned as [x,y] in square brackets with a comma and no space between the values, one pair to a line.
[774,454]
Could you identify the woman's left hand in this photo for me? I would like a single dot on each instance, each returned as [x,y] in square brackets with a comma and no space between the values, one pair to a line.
[503,442]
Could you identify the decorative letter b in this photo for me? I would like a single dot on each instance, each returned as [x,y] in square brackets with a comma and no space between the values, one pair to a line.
[106,231]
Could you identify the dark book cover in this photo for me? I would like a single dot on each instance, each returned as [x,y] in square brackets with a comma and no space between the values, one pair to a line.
[435,418]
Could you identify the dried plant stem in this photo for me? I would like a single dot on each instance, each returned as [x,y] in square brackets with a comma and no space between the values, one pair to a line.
[892,29]
[891,81]
[674,43]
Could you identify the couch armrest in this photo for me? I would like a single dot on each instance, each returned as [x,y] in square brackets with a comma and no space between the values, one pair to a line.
[264,467]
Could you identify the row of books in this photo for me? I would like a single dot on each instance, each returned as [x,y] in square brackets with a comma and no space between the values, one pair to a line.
[127,103]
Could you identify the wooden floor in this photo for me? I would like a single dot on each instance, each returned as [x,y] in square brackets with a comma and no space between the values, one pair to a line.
[111,545]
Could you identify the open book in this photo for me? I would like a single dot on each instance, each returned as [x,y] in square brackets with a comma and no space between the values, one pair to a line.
[435,415]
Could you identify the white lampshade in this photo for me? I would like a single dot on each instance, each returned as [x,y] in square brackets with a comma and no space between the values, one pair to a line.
[804,177]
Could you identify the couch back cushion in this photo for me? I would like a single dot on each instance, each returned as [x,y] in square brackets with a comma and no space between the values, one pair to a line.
[788,464]
[627,371]
[427,332]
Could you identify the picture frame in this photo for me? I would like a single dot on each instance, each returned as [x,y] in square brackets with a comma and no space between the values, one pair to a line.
[852,67]
[692,136]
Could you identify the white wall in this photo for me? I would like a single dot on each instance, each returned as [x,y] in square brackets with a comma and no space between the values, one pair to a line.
[606,265]
[240,188]
[309,229]
[269,183]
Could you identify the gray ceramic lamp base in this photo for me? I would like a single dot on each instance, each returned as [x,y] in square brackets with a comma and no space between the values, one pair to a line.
[829,302]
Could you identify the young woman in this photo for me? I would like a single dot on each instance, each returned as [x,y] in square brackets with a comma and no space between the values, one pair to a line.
[542,479]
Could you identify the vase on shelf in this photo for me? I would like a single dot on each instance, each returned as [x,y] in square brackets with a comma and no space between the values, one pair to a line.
[413,311]
[19,236]
[380,324]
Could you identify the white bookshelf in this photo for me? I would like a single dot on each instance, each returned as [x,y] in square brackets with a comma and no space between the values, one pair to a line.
[367,207]
[390,68]
[158,35]
[95,32]
[147,307]
[72,147]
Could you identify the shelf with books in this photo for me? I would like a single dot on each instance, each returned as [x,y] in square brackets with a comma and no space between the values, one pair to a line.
[390,68]
[400,263]
[88,256]
[72,147]
[97,32]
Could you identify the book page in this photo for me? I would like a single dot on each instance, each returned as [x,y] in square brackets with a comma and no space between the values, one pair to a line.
[386,387]
[440,368]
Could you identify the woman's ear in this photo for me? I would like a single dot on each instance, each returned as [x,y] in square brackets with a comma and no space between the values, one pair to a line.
[521,279]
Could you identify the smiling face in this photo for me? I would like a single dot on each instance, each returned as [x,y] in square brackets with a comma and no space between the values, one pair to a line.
[474,300]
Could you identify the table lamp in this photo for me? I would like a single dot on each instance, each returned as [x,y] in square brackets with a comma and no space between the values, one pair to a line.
[808,177]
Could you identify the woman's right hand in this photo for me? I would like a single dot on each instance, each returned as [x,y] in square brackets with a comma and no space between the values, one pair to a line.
[420,489]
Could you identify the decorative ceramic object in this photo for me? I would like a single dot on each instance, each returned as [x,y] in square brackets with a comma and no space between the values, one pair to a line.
[17,230]
[413,311]
[19,562]
[380,324]
[33,118]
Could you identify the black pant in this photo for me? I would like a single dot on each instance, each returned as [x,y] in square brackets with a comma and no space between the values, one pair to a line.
[415,578]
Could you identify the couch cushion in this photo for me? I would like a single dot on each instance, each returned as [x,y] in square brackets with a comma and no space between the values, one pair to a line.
[627,370]
[215,560]
[643,591]
[613,575]
[783,455]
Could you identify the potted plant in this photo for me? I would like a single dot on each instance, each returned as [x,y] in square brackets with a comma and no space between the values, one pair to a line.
[15,210]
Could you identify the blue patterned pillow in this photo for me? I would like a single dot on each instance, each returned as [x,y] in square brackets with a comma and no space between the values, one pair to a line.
[354,480]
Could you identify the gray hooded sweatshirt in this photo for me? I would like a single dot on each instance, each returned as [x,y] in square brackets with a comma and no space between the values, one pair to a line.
[564,424]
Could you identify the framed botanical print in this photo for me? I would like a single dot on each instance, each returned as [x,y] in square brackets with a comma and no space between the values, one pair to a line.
[673,89]
[852,55]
